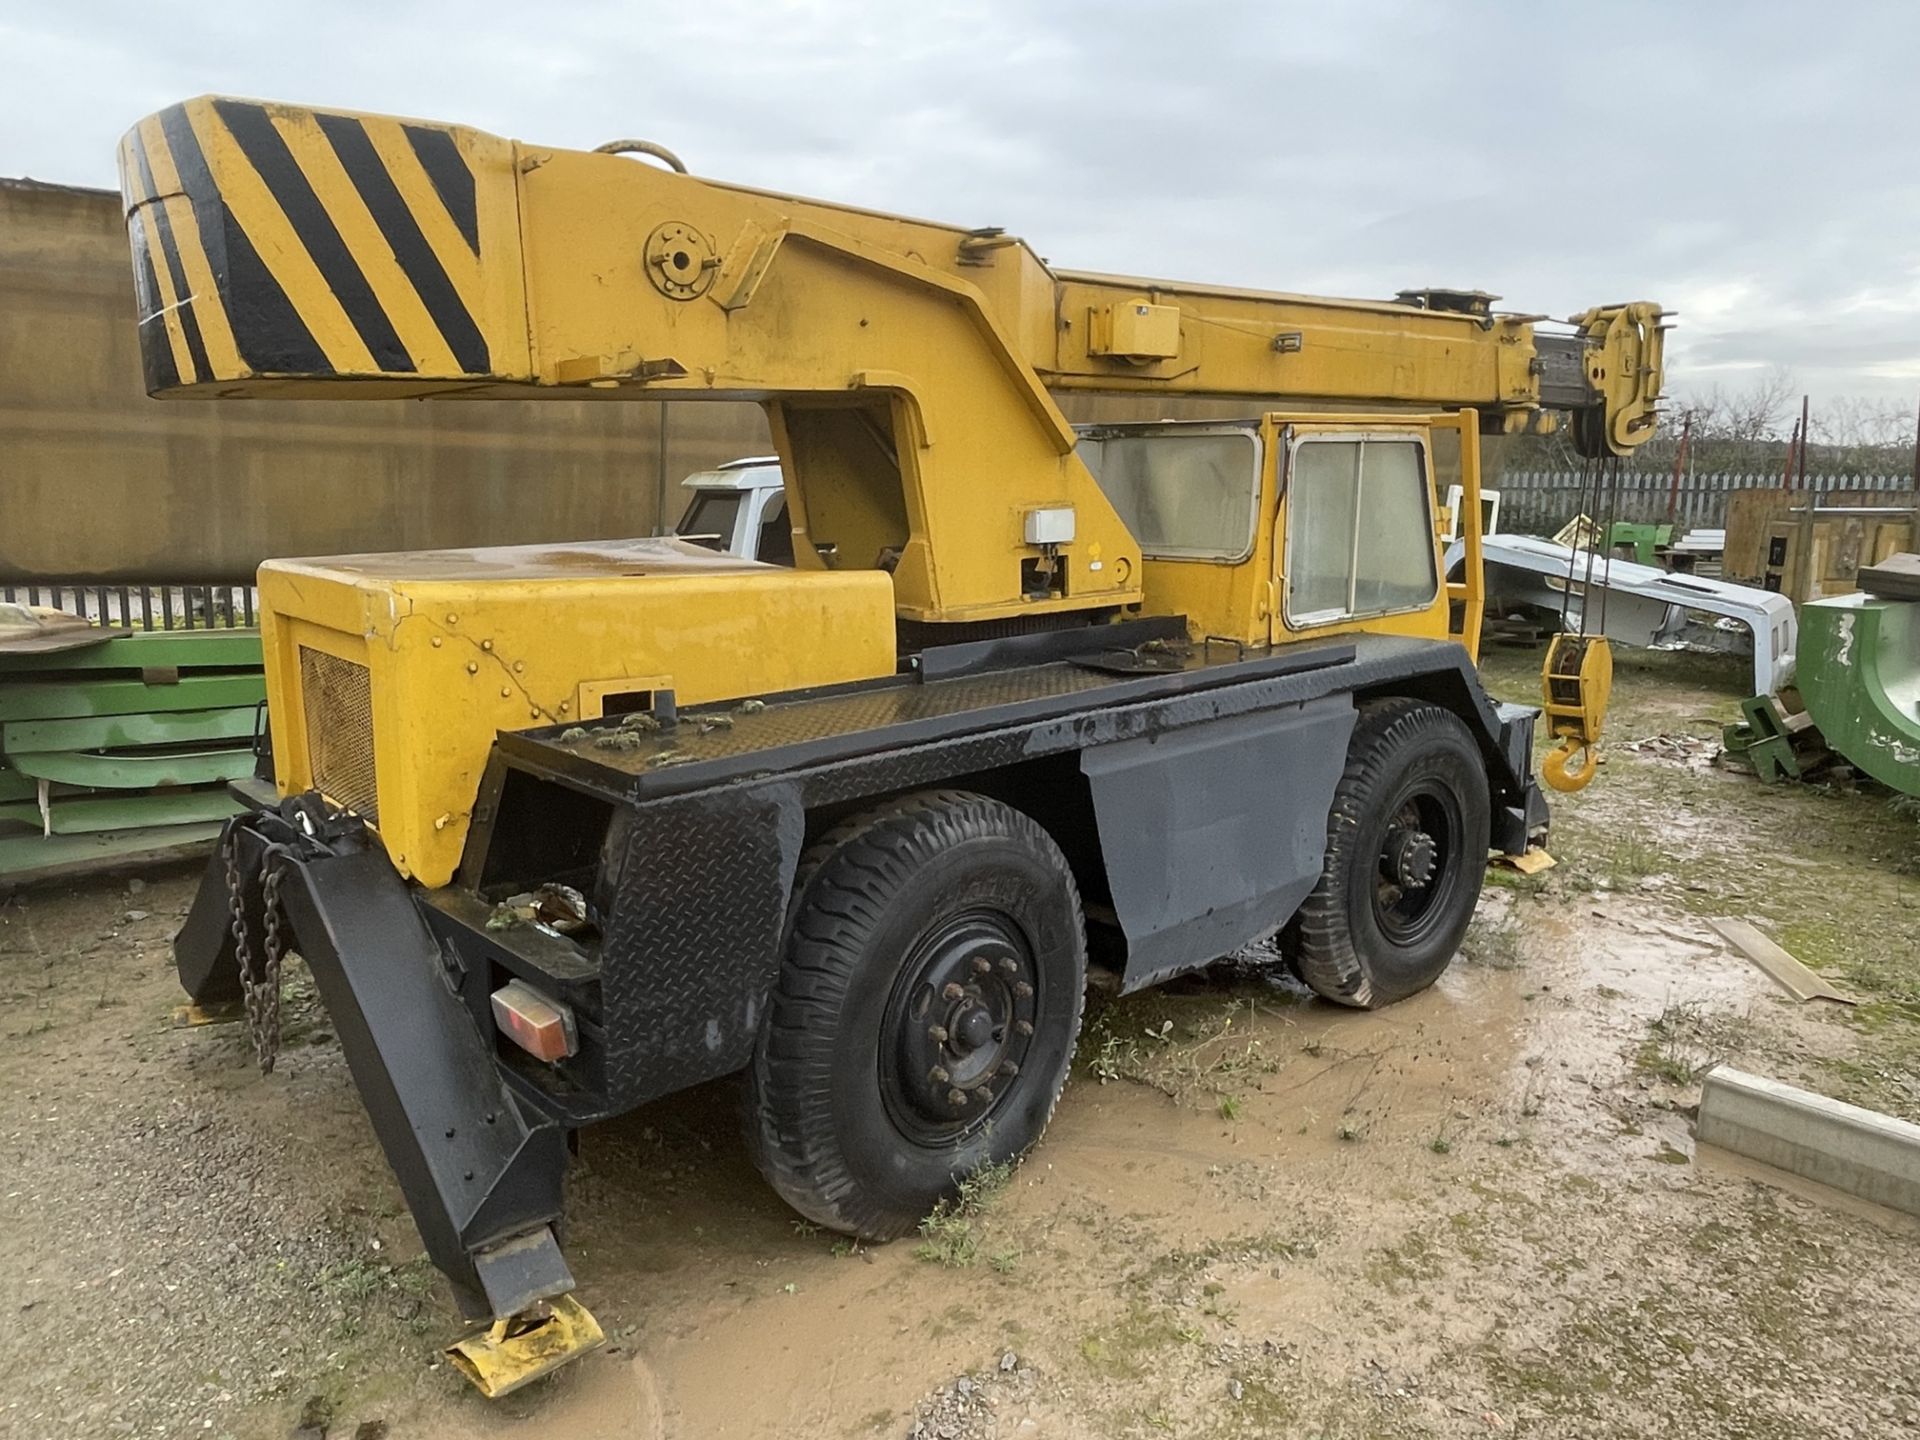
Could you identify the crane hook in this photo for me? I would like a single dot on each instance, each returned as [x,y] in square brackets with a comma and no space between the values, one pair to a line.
[1553,765]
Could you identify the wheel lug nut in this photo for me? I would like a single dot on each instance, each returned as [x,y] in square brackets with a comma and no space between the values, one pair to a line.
[982,1094]
[937,1034]
[938,1075]
[981,965]
[1024,1027]
[1008,965]
[1009,1069]
[957,1099]
[1022,989]
[953,991]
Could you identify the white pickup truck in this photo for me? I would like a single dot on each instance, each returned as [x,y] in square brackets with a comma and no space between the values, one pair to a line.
[739,508]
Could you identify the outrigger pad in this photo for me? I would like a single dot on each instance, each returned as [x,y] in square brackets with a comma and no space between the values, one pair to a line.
[511,1353]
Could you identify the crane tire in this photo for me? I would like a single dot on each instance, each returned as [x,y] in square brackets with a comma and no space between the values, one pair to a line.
[925,1012]
[1406,852]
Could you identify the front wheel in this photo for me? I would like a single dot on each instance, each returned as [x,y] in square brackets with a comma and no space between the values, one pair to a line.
[925,1013]
[1406,851]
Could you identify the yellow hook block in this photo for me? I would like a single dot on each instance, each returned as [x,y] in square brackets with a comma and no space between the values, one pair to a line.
[1576,683]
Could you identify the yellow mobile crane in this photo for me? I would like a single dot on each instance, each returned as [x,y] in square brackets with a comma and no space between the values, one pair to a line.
[563,828]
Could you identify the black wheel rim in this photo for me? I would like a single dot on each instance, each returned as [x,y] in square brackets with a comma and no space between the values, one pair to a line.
[1419,862]
[958,1026]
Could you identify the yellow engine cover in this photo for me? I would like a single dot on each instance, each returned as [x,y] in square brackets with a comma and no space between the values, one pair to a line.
[389,675]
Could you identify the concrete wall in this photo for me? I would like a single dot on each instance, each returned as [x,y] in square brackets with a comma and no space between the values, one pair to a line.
[98,481]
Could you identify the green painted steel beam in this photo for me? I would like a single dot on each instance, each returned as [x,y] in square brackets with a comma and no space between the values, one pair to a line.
[149,649]
[37,857]
[94,813]
[138,772]
[107,732]
[60,700]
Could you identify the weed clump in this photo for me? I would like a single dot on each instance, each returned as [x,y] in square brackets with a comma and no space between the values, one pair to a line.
[950,1235]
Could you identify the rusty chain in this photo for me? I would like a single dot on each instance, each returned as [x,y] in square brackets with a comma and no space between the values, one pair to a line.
[259,985]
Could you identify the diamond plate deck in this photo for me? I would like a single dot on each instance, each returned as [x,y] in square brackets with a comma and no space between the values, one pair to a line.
[718,743]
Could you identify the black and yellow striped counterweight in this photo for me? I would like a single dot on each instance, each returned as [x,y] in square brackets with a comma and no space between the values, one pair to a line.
[274,241]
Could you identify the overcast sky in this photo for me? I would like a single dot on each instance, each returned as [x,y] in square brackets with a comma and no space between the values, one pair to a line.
[1754,166]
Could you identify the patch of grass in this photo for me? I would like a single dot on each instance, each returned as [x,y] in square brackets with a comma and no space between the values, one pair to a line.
[1687,1039]
[1414,1261]
[355,1280]
[1884,1075]
[1229,1107]
[949,1235]
[1128,1347]
[1630,857]
[1213,1055]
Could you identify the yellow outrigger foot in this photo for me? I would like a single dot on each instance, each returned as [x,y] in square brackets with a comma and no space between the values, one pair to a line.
[519,1350]
[188,1016]
[1532,862]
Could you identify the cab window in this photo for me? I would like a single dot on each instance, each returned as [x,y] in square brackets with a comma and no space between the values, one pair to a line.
[709,518]
[1359,528]
[776,534]
[1184,494]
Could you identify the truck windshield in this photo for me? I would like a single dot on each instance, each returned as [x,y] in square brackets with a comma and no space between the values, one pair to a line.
[709,518]
[1184,494]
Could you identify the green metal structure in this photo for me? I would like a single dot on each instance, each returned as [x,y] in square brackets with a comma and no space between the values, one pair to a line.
[122,750]
[1859,676]
[1644,540]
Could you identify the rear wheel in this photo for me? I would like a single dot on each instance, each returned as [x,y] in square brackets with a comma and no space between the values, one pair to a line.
[925,1014]
[1406,851]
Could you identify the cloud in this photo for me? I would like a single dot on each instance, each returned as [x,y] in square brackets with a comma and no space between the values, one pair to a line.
[1750,168]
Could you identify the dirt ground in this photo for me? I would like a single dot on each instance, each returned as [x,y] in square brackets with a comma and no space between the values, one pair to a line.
[1478,1212]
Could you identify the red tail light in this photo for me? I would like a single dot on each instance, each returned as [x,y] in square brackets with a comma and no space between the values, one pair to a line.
[543,1028]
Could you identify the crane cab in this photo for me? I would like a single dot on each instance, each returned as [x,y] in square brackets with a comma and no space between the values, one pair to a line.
[1295,526]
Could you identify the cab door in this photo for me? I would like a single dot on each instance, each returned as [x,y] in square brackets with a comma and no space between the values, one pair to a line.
[1355,544]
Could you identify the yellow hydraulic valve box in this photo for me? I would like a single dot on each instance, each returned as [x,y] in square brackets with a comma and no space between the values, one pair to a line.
[1135,330]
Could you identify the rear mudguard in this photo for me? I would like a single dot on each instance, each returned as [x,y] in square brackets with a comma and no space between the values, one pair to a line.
[482,1172]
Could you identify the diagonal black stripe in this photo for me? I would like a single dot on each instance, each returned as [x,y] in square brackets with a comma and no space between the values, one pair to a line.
[451,177]
[191,168]
[156,352]
[261,143]
[272,337]
[176,272]
[389,210]
[267,330]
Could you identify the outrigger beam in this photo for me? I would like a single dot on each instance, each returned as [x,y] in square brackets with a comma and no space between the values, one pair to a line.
[483,1172]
